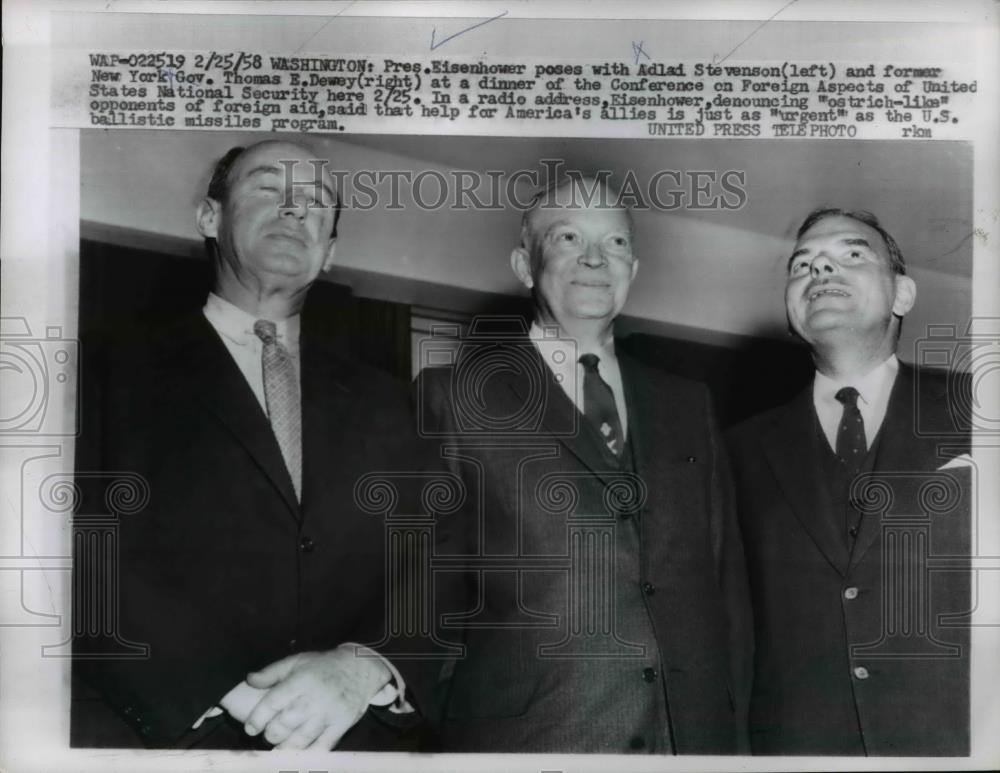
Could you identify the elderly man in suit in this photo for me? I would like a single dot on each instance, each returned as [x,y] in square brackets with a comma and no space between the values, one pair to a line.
[252,574]
[608,607]
[841,502]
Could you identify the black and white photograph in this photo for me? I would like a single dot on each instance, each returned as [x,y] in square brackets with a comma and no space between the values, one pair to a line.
[507,400]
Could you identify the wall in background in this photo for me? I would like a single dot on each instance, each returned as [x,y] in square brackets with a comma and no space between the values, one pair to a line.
[706,275]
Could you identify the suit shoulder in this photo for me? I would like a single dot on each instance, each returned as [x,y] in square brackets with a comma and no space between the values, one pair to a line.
[938,383]
[435,375]
[944,398]
[679,387]
[368,381]
[753,426]
[432,384]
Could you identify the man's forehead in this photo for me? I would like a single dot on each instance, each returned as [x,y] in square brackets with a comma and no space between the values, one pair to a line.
[545,217]
[279,156]
[577,211]
[839,228]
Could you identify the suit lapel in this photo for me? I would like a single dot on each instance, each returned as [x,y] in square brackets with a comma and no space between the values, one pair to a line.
[559,416]
[641,405]
[899,450]
[216,381]
[327,410]
[664,434]
[792,448]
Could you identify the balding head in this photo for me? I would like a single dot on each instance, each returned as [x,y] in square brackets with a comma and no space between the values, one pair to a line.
[576,254]
[270,220]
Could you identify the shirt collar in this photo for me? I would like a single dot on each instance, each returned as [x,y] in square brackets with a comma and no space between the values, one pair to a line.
[873,387]
[237,325]
[561,354]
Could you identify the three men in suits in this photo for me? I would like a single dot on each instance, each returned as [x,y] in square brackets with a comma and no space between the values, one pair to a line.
[860,647]
[607,607]
[252,574]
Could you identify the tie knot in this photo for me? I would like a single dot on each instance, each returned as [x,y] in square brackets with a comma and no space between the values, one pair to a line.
[848,396]
[265,330]
[589,362]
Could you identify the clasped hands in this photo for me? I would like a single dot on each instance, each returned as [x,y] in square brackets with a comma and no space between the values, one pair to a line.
[308,700]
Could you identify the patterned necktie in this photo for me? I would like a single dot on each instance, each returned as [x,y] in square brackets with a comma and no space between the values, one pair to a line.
[281,393]
[851,443]
[599,404]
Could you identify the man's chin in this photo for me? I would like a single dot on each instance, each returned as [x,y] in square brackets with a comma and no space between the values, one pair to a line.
[832,327]
[284,264]
[593,312]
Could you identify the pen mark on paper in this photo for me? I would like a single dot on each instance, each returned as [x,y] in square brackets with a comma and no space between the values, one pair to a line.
[638,50]
[323,26]
[717,60]
[462,32]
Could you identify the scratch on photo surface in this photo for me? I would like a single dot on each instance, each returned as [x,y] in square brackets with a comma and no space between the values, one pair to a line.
[958,246]
[45,577]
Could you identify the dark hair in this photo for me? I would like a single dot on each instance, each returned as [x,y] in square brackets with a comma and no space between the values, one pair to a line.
[896,263]
[218,187]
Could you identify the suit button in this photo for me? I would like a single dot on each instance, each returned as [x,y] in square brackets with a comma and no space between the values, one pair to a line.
[127,711]
[637,742]
[307,544]
[649,674]
[293,643]
[850,593]
[648,588]
[861,672]
[853,531]
[691,459]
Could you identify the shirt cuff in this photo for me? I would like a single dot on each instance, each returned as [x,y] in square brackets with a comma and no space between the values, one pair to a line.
[393,694]
[215,711]
[239,701]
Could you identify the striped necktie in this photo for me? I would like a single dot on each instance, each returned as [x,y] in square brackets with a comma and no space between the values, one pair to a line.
[281,394]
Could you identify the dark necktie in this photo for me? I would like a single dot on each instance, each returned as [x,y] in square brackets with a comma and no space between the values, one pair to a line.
[599,404]
[281,394]
[851,443]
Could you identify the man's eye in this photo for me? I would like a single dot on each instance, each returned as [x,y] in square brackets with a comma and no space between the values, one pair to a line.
[797,268]
[566,236]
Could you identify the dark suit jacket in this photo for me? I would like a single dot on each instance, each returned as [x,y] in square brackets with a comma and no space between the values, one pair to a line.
[819,609]
[223,571]
[625,633]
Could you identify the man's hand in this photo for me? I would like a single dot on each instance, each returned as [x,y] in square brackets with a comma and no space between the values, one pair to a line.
[313,698]
[241,700]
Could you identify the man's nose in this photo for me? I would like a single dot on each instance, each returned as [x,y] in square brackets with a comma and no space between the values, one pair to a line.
[593,256]
[296,205]
[821,265]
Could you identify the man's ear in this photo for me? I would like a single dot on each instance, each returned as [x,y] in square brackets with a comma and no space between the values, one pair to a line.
[331,248]
[635,269]
[207,217]
[520,262]
[906,295]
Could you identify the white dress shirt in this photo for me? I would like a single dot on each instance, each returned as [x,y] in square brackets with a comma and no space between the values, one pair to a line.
[873,388]
[562,357]
[235,327]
